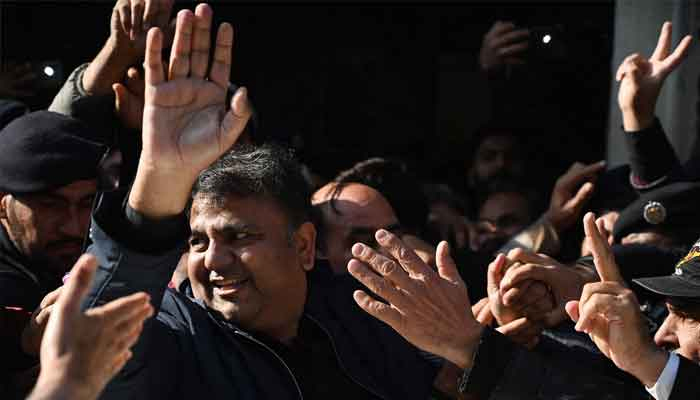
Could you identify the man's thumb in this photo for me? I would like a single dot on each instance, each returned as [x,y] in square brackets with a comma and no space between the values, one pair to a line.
[572,310]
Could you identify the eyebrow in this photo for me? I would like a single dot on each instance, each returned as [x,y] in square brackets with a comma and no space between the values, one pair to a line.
[228,228]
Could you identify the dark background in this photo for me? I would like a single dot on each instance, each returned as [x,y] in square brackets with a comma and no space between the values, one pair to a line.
[342,82]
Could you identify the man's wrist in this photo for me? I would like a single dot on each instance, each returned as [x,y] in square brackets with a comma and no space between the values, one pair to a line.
[462,354]
[649,367]
[61,387]
[109,66]
[158,194]
[633,121]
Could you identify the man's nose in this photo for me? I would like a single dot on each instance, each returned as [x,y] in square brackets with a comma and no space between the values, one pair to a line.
[73,224]
[666,335]
[217,257]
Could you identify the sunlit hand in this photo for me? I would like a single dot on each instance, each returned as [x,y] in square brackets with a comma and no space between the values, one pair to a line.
[641,80]
[609,313]
[429,308]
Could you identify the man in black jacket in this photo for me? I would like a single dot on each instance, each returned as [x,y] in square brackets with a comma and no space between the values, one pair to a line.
[48,179]
[255,320]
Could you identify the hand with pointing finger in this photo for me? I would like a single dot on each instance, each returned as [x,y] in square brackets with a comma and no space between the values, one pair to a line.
[609,313]
[641,80]
[429,308]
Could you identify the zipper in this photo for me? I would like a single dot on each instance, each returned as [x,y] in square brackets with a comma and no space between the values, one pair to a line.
[254,340]
[340,362]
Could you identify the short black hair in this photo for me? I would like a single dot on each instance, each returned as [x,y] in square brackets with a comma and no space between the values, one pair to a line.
[685,307]
[268,171]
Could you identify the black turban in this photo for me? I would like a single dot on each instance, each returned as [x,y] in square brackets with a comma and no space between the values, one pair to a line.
[43,151]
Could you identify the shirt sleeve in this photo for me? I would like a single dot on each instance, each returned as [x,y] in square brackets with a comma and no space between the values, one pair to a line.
[662,389]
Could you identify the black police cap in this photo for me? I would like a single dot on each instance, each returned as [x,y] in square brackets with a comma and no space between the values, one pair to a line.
[43,151]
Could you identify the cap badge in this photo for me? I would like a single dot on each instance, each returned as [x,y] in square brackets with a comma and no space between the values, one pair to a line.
[654,213]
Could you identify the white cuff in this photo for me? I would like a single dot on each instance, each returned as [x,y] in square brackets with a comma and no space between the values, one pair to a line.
[663,386]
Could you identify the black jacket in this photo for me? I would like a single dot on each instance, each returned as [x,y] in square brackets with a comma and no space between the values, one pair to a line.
[187,352]
[686,383]
[22,287]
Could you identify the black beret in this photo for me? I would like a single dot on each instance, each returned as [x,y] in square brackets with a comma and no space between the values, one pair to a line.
[672,206]
[44,150]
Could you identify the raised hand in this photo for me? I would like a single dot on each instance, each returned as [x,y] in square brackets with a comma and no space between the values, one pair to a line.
[609,313]
[125,47]
[503,45]
[186,124]
[82,351]
[430,309]
[641,79]
[131,20]
[571,193]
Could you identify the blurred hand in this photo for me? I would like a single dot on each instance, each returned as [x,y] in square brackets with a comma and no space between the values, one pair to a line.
[564,283]
[503,45]
[131,20]
[609,313]
[641,80]
[17,81]
[32,334]
[571,193]
[82,351]
[430,309]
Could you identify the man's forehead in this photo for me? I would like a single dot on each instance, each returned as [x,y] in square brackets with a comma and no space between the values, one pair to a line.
[207,211]
[355,204]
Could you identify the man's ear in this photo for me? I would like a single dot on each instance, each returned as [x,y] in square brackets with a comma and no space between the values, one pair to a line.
[305,244]
[4,204]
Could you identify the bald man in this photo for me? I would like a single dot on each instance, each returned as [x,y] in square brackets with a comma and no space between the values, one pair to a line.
[349,213]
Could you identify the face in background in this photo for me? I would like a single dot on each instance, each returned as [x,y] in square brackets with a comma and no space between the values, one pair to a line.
[502,215]
[49,228]
[358,212]
[681,332]
[497,156]
[247,262]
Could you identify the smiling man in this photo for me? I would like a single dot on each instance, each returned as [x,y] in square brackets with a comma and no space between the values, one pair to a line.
[254,320]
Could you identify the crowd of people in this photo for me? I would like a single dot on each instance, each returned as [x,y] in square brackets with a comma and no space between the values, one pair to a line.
[154,245]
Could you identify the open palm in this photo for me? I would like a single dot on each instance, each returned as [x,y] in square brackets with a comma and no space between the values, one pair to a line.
[186,124]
